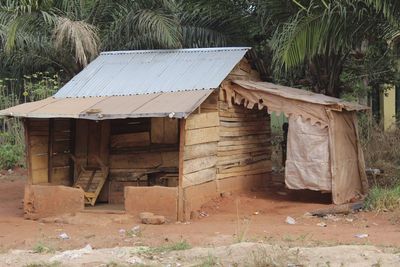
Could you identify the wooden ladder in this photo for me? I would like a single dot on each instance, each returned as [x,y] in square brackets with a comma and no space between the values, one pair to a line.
[91,180]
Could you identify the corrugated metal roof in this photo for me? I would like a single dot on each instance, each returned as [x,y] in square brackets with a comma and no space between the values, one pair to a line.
[153,71]
[178,104]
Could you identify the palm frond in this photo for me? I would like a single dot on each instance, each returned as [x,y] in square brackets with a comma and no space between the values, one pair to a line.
[79,36]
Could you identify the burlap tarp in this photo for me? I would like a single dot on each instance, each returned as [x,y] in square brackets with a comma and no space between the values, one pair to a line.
[307,160]
[324,153]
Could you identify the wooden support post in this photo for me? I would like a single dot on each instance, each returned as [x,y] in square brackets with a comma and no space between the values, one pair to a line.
[50,150]
[28,150]
[181,202]
[72,172]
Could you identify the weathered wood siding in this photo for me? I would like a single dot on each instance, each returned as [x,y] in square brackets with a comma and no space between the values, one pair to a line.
[225,148]
[60,148]
[37,140]
[244,143]
[201,142]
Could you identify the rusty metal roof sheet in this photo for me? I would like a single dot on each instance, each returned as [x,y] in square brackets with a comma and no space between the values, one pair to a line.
[153,71]
[175,104]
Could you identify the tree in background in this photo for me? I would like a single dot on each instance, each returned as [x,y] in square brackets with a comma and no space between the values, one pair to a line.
[313,42]
[36,35]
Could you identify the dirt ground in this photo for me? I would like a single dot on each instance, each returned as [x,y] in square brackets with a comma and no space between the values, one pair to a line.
[253,217]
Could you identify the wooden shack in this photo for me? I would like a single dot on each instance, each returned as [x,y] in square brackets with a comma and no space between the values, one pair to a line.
[160,131]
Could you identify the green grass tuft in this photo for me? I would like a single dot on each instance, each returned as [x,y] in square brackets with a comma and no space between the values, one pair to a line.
[181,245]
[383,198]
[42,248]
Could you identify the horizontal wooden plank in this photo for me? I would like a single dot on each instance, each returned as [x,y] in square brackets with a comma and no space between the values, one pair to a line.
[240,159]
[198,177]
[243,173]
[252,129]
[244,123]
[204,135]
[246,147]
[38,122]
[244,151]
[38,133]
[130,140]
[260,139]
[194,165]
[144,160]
[264,164]
[200,150]
[203,120]
[242,133]
[244,118]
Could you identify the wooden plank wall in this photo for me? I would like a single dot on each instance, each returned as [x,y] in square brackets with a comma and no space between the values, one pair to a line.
[224,143]
[201,142]
[60,148]
[244,144]
[37,133]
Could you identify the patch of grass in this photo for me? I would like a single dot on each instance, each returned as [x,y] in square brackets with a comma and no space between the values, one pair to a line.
[114,264]
[40,247]
[279,257]
[43,264]
[181,245]
[383,198]
[208,261]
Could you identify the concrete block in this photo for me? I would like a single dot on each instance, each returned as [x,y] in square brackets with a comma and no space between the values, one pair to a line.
[42,201]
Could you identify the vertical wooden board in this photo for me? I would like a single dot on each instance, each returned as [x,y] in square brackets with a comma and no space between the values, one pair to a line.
[39,162]
[27,150]
[94,138]
[40,176]
[105,141]
[81,138]
[170,131]
[60,176]
[181,205]
[157,130]
[39,145]
[50,149]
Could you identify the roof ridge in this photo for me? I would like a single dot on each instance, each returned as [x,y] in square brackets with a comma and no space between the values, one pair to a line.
[182,50]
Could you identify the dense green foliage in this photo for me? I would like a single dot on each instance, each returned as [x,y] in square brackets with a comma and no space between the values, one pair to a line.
[344,48]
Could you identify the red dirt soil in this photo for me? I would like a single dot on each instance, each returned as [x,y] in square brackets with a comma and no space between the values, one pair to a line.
[256,216]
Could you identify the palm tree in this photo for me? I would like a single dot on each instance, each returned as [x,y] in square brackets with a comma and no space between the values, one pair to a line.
[319,36]
[67,34]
